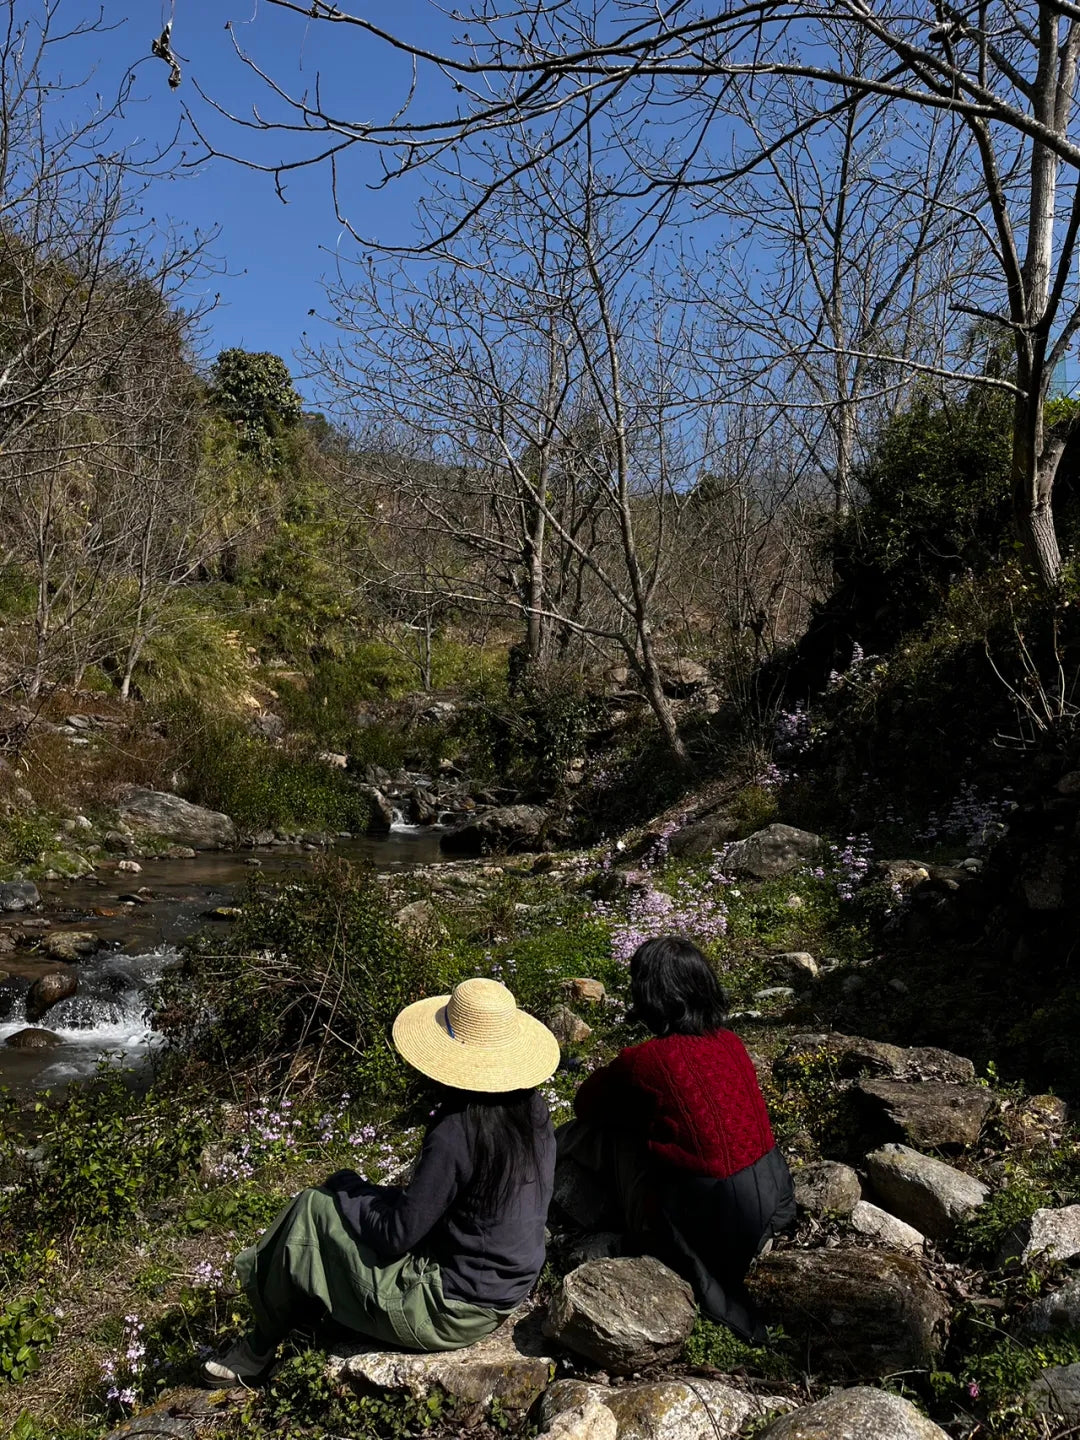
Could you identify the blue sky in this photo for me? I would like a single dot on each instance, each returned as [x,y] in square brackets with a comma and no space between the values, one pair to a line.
[275,253]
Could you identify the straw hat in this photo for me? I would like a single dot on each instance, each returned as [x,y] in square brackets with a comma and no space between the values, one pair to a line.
[476,1039]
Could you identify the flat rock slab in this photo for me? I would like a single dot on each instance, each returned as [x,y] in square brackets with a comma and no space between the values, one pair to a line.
[622,1314]
[856,1055]
[667,1409]
[926,1112]
[1053,1234]
[774,851]
[862,1313]
[160,813]
[886,1229]
[511,1366]
[927,1193]
[860,1413]
[1057,1392]
[826,1187]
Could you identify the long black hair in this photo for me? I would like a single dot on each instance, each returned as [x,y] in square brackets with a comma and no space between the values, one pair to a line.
[504,1130]
[674,990]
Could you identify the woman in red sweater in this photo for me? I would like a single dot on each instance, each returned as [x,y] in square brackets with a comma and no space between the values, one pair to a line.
[677,1130]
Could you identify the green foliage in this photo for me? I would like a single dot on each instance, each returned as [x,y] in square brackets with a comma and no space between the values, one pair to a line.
[754,807]
[981,1233]
[808,1099]
[192,655]
[242,1208]
[256,391]
[258,784]
[318,969]
[302,1400]
[24,837]
[27,1327]
[719,1348]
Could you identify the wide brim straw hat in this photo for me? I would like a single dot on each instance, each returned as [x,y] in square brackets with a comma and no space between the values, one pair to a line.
[476,1039]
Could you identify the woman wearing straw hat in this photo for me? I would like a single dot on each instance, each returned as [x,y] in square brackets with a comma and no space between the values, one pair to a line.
[440,1263]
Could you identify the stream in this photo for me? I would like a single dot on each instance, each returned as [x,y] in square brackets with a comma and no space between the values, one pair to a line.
[107,1014]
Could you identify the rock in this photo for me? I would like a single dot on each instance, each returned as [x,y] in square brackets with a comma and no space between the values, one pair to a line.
[860,1413]
[220,912]
[588,1421]
[118,842]
[860,1312]
[622,1314]
[602,1245]
[180,1414]
[32,1039]
[933,1113]
[675,1409]
[704,836]
[65,865]
[879,1225]
[568,1028]
[380,813]
[1057,1311]
[334,759]
[682,677]
[511,1366]
[1035,1120]
[854,1055]
[826,1186]
[781,993]
[1053,1234]
[503,828]
[592,992]
[48,990]
[927,1193]
[797,966]
[182,852]
[420,918]
[1057,1393]
[129,867]
[19,895]
[71,945]
[776,850]
[160,813]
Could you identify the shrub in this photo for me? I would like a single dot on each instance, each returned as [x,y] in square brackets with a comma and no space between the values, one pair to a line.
[27,1327]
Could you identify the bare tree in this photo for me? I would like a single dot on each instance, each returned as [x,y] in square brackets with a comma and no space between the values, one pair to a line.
[664,78]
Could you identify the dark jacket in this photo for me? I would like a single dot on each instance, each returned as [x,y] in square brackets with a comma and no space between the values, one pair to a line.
[485,1257]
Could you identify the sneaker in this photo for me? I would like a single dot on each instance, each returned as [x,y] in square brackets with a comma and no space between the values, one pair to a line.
[239,1366]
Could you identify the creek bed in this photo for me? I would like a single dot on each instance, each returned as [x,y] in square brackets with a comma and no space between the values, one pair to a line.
[107,1015]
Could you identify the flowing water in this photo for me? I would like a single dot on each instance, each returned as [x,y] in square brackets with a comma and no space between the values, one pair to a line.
[107,1014]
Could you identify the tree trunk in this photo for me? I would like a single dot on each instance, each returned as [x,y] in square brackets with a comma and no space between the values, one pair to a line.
[1035,458]
[646,665]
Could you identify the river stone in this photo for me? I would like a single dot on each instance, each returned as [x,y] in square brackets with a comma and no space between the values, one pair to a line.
[860,1413]
[380,810]
[666,1409]
[886,1229]
[826,1186]
[776,850]
[511,1366]
[1057,1393]
[933,1113]
[503,828]
[1059,1310]
[71,945]
[1053,1234]
[32,1039]
[855,1055]
[861,1312]
[927,1193]
[19,895]
[622,1314]
[592,992]
[160,813]
[48,990]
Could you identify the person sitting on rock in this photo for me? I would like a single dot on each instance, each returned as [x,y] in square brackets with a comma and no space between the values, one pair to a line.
[440,1263]
[677,1132]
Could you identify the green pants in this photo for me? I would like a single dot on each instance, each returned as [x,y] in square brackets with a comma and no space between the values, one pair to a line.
[309,1264]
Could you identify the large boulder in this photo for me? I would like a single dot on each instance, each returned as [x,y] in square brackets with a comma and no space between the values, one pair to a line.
[48,990]
[1053,1234]
[1060,1310]
[33,1039]
[826,1187]
[933,1113]
[927,1193]
[622,1314]
[855,1055]
[166,817]
[509,1366]
[776,850]
[1056,1393]
[19,895]
[503,828]
[673,1409]
[862,1313]
[70,946]
[703,837]
[860,1413]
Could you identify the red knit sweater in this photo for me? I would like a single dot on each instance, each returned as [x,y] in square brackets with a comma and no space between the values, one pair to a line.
[695,1099]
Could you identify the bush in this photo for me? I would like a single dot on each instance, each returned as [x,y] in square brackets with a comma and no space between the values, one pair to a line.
[27,1327]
